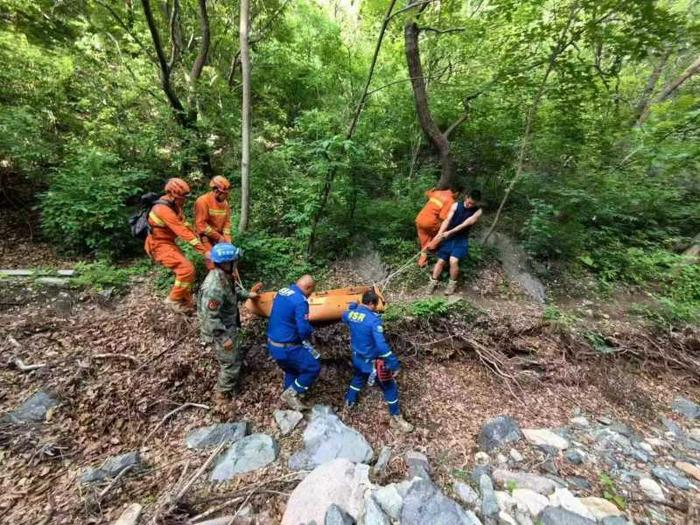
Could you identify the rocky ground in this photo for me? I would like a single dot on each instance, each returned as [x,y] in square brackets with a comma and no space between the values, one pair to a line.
[114,418]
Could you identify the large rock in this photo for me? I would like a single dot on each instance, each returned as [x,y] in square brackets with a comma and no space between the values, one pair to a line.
[112,467]
[686,408]
[566,500]
[418,464]
[382,461]
[559,516]
[522,480]
[326,438]
[545,437]
[424,503]
[374,515]
[130,516]
[498,431]
[33,410]
[213,435]
[489,503]
[287,420]
[250,453]
[466,494]
[600,508]
[338,482]
[337,516]
[531,500]
[671,476]
[652,489]
[390,499]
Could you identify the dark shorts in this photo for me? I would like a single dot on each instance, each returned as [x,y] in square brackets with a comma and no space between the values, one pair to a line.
[457,247]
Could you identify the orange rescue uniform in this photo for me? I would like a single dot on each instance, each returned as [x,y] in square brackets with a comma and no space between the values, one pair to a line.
[166,226]
[433,213]
[212,221]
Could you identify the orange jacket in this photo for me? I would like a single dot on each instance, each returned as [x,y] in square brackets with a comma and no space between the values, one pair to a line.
[212,218]
[167,225]
[436,209]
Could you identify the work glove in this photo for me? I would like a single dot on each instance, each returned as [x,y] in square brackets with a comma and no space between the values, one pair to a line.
[228,344]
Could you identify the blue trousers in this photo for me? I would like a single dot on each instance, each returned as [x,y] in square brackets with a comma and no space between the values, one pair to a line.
[389,388]
[301,369]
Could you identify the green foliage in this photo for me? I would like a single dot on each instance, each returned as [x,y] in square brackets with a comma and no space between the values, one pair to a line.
[428,309]
[274,260]
[101,275]
[610,492]
[86,207]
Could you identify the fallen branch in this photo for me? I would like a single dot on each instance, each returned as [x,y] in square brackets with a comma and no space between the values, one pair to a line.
[169,415]
[114,482]
[215,509]
[116,356]
[22,366]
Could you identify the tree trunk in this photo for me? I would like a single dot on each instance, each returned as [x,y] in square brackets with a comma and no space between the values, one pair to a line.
[643,105]
[438,140]
[245,116]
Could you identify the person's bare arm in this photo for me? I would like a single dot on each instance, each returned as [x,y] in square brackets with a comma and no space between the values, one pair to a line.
[446,223]
[471,220]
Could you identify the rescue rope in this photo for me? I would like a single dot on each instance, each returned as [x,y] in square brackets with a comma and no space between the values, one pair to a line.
[401,269]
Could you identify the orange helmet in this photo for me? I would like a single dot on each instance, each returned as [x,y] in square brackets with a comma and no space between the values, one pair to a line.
[220,183]
[177,188]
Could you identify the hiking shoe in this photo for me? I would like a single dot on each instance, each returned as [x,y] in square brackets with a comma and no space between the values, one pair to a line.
[400,424]
[291,397]
[221,399]
[451,287]
[177,306]
[433,285]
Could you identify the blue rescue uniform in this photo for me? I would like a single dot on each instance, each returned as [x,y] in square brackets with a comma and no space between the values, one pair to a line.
[287,330]
[368,343]
[457,245]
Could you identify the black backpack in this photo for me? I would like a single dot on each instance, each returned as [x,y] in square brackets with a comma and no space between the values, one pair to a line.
[138,222]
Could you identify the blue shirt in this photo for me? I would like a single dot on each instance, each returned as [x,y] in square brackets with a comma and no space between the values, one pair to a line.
[289,318]
[367,335]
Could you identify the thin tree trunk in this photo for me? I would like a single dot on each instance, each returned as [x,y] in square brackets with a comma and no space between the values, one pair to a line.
[245,115]
[642,108]
[558,50]
[435,136]
[671,87]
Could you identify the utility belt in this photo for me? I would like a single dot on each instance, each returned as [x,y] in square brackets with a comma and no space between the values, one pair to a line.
[282,345]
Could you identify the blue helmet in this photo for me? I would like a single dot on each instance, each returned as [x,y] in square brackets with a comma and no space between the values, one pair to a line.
[225,252]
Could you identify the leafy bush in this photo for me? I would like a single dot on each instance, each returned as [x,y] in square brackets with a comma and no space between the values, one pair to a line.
[85,208]
[101,275]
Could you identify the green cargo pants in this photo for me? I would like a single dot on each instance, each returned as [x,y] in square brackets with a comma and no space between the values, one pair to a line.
[230,363]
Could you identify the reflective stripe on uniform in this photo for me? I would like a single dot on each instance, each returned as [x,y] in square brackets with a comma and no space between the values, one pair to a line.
[208,229]
[354,388]
[437,202]
[296,382]
[182,284]
[193,242]
[393,402]
[385,355]
[213,211]
[157,220]
[227,231]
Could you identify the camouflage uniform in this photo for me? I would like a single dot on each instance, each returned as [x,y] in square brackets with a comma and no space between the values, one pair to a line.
[218,321]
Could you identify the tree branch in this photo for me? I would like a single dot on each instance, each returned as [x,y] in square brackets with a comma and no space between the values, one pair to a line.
[174,40]
[444,31]
[201,59]
[642,108]
[411,6]
[164,69]
[125,27]
[691,70]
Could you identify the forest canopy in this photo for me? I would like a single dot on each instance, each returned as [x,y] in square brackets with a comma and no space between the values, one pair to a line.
[583,113]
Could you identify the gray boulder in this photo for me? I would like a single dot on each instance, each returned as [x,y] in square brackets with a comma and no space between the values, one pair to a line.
[418,465]
[374,515]
[614,520]
[337,516]
[523,480]
[424,503]
[213,435]
[33,410]
[574,456]
[498,431]
[466,494]
[489,503]
[382,461]
[111,467]
[326,438]
[287,420]
[559,516]
[390,499]
[671,476]
[250,453]
[674,428]
[686,408]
